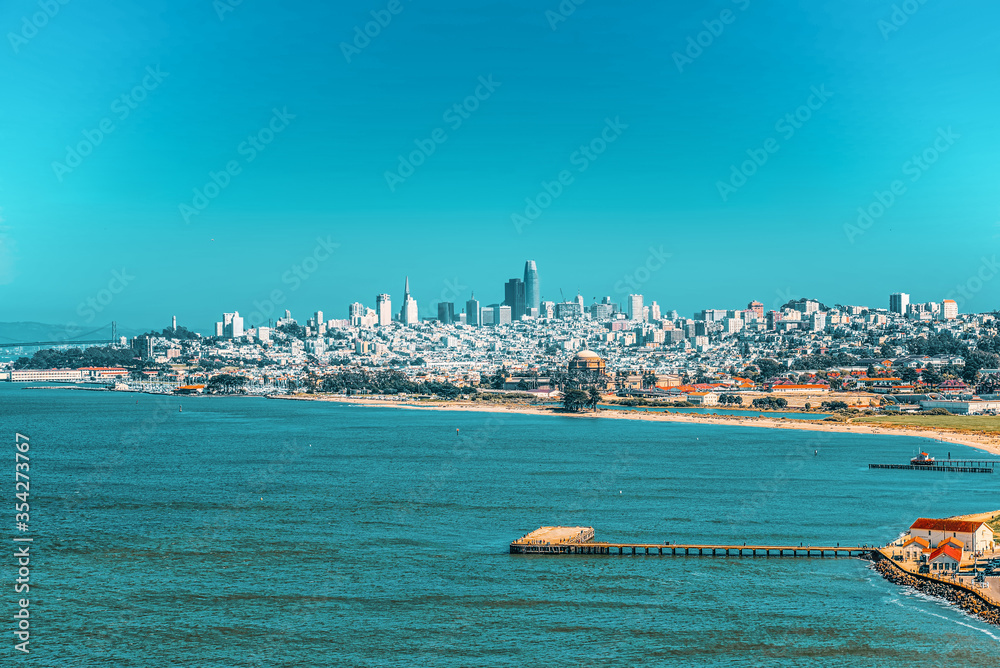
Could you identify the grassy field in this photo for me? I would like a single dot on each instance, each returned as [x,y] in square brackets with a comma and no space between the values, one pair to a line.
[965,423]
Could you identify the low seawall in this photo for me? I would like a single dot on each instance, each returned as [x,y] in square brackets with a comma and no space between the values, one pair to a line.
[960,595]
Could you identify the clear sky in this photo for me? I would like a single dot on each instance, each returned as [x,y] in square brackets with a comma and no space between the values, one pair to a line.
[113,116]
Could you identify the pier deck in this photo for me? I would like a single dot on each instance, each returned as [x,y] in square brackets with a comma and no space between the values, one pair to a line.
[941,468]
[579,540]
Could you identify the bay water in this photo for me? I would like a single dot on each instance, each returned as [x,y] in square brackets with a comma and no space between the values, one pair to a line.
[263,532]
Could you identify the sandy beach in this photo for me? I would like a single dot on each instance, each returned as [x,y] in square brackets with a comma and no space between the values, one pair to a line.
[986,442]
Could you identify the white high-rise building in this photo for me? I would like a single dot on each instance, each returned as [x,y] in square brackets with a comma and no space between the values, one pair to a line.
[654,311]
[949,309]
[232,325]
[356,312]
[383,307]
[898,301]
[635,307]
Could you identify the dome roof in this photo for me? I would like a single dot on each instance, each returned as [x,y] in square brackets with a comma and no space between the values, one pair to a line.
[587,354]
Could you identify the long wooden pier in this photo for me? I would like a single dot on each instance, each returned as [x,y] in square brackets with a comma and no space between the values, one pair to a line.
[939,468]
[579,540]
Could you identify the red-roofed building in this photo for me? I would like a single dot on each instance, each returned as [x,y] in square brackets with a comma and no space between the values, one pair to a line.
[975,536]
[945,558]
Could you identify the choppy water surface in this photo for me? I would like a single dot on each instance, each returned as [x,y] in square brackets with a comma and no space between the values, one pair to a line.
[254,532]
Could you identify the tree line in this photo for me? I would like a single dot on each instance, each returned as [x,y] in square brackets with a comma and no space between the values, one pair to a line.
[76,358]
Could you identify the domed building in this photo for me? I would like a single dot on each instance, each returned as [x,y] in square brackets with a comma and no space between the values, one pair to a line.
[587,360]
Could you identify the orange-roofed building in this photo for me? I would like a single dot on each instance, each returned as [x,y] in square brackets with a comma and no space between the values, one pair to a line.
[916,549]
[954,542]
[946,558]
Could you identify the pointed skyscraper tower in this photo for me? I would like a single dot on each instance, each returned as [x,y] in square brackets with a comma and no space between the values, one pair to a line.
[532,291]
[408,311]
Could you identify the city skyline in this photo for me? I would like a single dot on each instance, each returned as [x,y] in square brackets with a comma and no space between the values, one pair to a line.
[410,309]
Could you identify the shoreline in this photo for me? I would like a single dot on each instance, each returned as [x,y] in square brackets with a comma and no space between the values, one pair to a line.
[985,442]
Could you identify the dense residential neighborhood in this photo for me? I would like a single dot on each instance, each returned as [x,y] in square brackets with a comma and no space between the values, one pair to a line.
[911,356]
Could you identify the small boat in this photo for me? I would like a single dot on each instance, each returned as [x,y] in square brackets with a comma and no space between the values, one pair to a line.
[923,459]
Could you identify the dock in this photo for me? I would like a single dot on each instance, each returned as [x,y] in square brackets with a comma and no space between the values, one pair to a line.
[580,540]
[940,468]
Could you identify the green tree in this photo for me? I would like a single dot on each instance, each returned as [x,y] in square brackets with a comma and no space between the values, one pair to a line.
[769,368]
[595,397]
[574,400]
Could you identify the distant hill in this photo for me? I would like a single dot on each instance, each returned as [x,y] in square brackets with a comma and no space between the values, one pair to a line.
[15,332]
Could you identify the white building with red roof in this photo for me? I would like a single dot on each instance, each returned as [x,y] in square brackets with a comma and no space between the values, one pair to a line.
[946,558]
[975,536]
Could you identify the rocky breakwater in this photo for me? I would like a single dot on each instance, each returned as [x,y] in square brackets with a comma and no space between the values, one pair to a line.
[959,596]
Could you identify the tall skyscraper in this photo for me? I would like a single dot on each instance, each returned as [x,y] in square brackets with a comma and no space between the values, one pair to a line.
[514,298]
[473,314]
[635,307]
[383,308]
[898,301]
[408,312]
[532,289]
[446,313]
[949,309]
[232,325]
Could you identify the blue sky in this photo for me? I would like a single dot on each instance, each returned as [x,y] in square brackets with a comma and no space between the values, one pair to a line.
[184,86]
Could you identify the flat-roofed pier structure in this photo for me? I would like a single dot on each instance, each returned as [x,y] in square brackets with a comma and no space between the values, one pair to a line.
[580,540]
[552,540]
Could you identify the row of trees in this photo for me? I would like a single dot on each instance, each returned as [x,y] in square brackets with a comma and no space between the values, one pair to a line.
[730,400]
[225,383]
[75,358]
[382,381]
[770,403]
